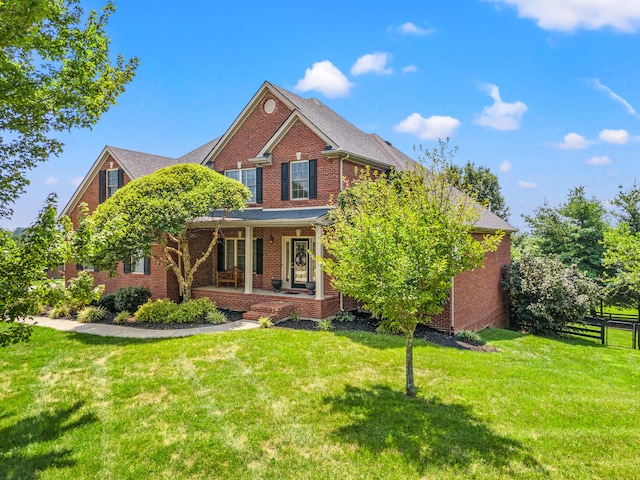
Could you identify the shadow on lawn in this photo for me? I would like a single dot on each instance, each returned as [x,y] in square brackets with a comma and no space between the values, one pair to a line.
[426,433]
[17,461]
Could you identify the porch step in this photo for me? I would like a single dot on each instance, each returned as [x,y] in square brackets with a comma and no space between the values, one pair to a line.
[274,310]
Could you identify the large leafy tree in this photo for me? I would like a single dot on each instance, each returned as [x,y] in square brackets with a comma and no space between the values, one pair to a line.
[622,257]
[396,242]
[43,244]
[56,73]
[572,231]
[481,183]
[151,216]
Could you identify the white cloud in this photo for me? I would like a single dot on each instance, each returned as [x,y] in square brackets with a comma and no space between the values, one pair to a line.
[372,63]
[573,141]
[505,166]
[410,69]
[523,184]
[77,181]
[570,15]
[325,78]
[411,28]
[51,181]
[431,128]
[501,115]
[596,161]
[619,137]
[614,96]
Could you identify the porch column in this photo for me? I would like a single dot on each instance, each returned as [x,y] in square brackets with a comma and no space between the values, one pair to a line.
[319,273]
[248,260]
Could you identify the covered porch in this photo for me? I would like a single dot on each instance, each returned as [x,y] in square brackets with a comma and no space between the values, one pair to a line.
[284,247]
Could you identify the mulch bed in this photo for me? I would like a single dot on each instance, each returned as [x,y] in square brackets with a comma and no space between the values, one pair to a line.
[364,323]
[232,316]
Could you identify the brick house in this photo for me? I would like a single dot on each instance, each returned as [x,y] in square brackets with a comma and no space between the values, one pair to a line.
[293,154]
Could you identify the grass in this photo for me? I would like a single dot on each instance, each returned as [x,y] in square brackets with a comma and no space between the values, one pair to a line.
[276,403]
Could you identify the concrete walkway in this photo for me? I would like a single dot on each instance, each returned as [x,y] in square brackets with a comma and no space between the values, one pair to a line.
[110,330]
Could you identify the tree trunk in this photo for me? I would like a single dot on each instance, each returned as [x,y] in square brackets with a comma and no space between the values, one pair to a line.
[411,388]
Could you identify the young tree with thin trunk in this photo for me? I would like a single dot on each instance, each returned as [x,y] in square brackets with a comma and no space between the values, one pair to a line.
[150,216]
[396,241]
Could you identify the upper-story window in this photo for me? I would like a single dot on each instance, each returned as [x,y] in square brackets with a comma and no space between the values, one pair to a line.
[299,180]
[108,182]
[112,182]
[248,177]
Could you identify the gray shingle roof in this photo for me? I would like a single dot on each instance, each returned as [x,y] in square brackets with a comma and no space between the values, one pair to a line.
[343,133]
[138,164]
[199,154]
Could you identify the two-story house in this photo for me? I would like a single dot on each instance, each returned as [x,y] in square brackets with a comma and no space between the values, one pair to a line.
[293,154]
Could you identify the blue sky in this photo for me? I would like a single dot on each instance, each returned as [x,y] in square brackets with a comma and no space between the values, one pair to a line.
[543,92]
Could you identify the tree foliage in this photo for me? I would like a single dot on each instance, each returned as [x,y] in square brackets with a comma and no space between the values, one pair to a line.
[395,243]
[21,266]
[482,184]
[572,231]
[546,294]
[627,207]
[622,257]
[56,73]
[150,216]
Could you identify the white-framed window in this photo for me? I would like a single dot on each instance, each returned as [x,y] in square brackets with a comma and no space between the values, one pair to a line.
[112,182]
[235,253]
[138,267]
[300,180]
[246,176]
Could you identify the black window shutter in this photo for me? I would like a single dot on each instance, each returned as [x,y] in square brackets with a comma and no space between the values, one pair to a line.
[284,176]
[120,178]
[259,185]
[258,256]
[313,179]
[102,186]
[79,267]
[127,266]
[147,265]
[220,265]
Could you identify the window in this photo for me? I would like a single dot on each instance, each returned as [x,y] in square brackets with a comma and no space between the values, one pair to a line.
[248,178]
[141,267]
[112,182]
[235,254]
[299,180]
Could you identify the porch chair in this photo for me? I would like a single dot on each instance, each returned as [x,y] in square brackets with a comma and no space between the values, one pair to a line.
[233,276]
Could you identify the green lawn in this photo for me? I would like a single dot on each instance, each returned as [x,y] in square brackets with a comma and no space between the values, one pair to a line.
[316,405]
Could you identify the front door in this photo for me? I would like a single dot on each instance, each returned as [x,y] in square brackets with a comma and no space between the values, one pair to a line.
[300,263]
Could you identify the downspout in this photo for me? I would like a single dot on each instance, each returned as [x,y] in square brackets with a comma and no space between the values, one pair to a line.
[453,303]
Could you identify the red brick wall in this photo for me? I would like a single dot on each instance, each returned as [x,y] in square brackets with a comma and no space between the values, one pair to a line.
[159,279]
[479,300]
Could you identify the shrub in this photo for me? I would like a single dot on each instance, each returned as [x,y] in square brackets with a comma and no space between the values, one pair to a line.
[121,317]
[59,311]
[265,322]
[546,294]
[295,316]
[344,316]
[91,314]
[108,302]
[130,298]
[192,311]
[51,293]
[80,291]
[156,312]
[325,325]
[469,336]
[217,317]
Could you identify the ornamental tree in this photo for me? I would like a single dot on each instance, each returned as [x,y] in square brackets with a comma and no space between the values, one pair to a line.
[396,241]
[150,216]
[43,245]
[56,73]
